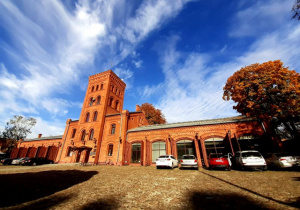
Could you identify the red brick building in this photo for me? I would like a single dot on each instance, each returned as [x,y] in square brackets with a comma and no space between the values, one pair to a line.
[107,133]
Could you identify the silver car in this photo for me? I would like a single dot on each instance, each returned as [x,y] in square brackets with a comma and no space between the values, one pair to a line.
[281,160]
[188,161]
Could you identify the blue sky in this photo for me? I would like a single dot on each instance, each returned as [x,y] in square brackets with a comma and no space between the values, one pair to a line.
[175,54]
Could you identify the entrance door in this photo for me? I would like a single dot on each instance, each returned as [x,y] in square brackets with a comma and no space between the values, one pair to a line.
[136,153]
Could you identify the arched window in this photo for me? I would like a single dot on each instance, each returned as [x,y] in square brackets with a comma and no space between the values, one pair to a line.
[113,129]
[110,149]
[116,90]
[87,118]
[73,133]
[111,101]
[112,88]
[91,101]
[95,116]
[91,134]
[98,100]
[101,88]
[158,149]
[93,88]
[82,135]
[97,87]
[117,105]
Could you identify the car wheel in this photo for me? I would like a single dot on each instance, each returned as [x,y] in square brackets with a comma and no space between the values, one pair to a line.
[264,168]
[229,168]
[157,167]
[34,164]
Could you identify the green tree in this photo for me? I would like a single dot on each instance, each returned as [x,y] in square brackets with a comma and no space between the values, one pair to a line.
[153,115]
[268,91]
[18,127]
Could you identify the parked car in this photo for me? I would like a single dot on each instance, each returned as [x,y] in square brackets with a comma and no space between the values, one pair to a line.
[36,161]
[249,159]
[166,161]
[188,161]
[220,161]
[6,161]
[281,160]
[17,161]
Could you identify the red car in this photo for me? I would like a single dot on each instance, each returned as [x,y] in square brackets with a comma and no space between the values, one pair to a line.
[218,160]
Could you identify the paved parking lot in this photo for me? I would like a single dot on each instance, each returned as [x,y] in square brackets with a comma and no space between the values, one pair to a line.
[113,187]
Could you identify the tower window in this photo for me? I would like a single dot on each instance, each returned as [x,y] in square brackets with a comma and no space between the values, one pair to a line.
[97,87]
[91,101]
[113,129]
[117,105]
[82,135]
[98,100]
[87,118]
[93,88]
[101,88]
[95,116]
[73,133]
[111,101]
[91,134]
[110,149]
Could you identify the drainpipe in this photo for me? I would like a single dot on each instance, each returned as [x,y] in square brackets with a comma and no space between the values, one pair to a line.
[64,141]
[119,138]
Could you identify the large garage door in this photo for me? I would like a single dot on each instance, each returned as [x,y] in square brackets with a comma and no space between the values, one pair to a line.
[214,145]
[185,147]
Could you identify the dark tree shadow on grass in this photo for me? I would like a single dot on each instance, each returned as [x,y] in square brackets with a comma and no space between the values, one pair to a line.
[44,203]
[295,203]
[107,204]
[23,187]
[221,200]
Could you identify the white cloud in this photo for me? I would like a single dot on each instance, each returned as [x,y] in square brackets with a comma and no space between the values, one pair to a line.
[194,82]
[54,47]
[261,18]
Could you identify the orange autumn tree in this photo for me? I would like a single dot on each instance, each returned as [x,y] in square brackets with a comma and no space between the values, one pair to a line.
[268,91]
[153,115]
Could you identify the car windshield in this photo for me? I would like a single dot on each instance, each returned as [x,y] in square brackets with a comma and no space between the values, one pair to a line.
[188,157]
[164,156]
[216,155]
[251,154]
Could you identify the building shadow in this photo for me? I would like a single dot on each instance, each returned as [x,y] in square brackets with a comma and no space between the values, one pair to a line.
[23,187]
[107,204]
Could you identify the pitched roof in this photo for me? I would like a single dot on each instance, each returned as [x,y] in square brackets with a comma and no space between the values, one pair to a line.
[193,123]
[44,138]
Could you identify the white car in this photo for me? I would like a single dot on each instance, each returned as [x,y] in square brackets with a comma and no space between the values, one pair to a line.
[166,161]
[17,161]
[249,159]
[281,160]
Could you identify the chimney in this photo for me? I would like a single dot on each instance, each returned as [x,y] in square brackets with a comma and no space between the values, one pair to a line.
[138,108]
[40,135]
